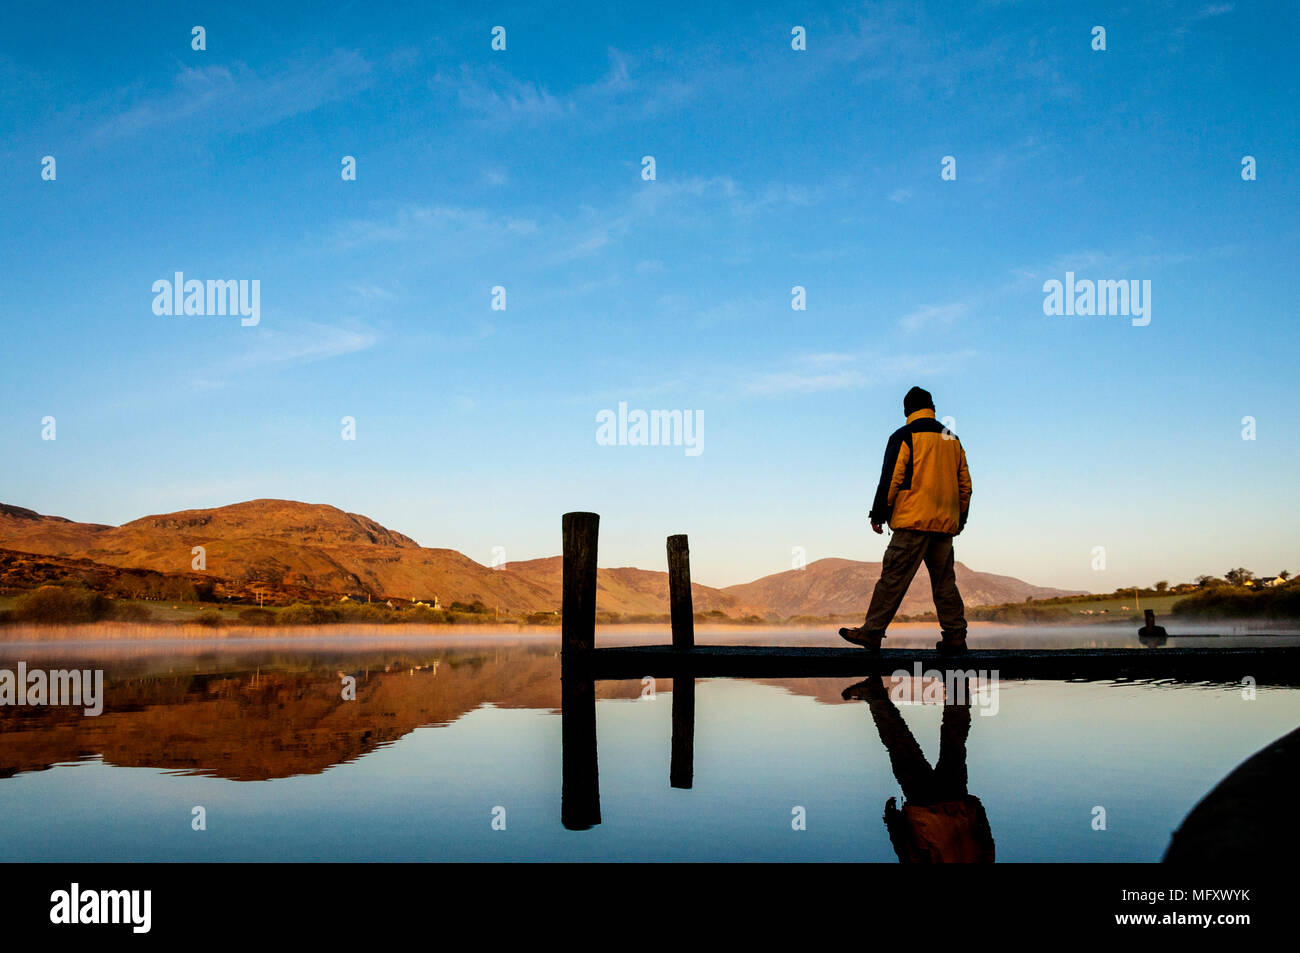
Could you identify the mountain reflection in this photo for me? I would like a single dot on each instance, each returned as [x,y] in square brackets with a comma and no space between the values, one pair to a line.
[253,718]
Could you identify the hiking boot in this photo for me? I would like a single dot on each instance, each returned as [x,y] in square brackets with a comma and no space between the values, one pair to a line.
[946,647]
[863,637]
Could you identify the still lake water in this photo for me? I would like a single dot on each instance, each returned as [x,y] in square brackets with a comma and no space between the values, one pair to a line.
[447,734]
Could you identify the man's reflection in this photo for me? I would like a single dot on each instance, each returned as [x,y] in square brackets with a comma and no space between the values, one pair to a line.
[939,821]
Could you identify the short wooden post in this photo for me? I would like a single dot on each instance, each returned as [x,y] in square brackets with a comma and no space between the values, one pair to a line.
[679,593]
[578,610]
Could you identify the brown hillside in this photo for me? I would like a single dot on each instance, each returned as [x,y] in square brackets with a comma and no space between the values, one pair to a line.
[843,586]
[302,549]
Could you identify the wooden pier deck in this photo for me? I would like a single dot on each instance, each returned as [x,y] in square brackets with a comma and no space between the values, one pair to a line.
[1266,665]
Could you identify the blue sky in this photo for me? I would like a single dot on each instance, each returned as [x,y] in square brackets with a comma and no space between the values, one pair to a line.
[476,428]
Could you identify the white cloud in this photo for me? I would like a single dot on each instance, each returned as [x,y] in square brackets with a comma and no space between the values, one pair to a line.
[238,96]
[932,316]
[301,344]
[815,373]
[641,86]
[419,222]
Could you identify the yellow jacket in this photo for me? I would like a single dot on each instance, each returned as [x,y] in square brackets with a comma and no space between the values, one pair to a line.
[924,483]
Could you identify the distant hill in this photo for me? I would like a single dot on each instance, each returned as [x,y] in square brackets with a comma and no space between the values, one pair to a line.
[843,587]
[306,550]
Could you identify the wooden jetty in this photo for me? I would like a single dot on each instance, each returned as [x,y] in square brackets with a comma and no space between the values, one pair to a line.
[583,664]
[1267,665]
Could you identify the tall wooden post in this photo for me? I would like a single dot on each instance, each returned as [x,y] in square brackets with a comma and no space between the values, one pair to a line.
[580,792]
[679,593]
[681,767]
[579,764]
[578,610]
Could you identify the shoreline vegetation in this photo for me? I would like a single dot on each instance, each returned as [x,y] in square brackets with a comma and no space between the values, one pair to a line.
[126,632]
[72,603]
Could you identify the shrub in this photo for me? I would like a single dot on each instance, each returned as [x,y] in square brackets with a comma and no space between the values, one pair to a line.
[1017,614]
[257,616]
[301,613]
[423,616]
[131,612]
[542,618]
[476,607]
[56,604]
[1233,602]
[208,617]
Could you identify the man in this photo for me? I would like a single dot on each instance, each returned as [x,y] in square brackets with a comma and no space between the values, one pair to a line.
[924,496]
[1152,635]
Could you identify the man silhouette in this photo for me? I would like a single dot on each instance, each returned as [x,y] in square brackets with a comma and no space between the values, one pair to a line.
[924,496]
[940,820]
[1152,635]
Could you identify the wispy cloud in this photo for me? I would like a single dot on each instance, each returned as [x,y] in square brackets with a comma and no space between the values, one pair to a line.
[807,380]
[686,200]
[371,292]
[894,44]
[235,96]
[816,373]
[639,86]
[1095,263]
[304,343]
[421,222]
[932,316]
[1183,26]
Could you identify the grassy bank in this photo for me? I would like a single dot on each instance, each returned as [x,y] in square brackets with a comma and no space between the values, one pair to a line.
[1240,602]
[73,605]
[76,605]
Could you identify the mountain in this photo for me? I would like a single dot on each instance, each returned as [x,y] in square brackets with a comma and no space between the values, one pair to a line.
[307,550]
[843,587]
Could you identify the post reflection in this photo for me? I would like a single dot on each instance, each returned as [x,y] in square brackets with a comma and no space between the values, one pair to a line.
[580,791]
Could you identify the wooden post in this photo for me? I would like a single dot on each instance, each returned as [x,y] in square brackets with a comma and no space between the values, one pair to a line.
[579,766]
[578,610]
[679,593]
[580,792]
[681,767]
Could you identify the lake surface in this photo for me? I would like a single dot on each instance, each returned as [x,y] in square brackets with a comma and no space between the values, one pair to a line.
[452,750]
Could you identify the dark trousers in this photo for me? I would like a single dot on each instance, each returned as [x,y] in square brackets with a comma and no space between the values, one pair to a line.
[922,784]
[907,549]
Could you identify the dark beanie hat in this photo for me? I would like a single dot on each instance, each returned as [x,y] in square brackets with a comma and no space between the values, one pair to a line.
[918,398]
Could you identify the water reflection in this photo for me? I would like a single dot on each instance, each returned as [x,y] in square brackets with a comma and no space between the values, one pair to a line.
[940,821]
[259,716]
[459,729]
